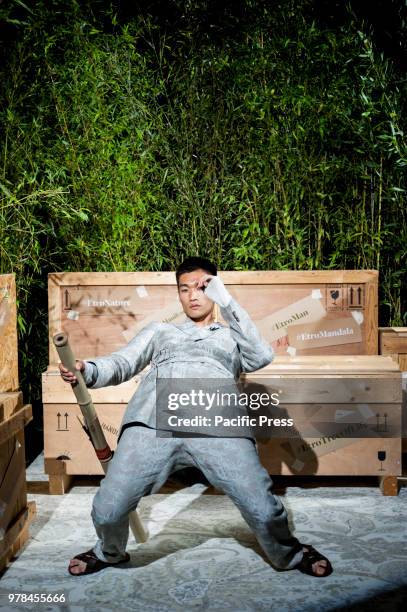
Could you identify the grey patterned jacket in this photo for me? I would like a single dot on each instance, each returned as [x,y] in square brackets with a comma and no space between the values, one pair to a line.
[182,351]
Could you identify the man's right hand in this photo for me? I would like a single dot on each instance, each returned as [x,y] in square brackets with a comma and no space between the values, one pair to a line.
[69,376]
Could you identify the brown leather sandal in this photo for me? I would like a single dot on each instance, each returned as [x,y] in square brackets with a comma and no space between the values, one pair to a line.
[311,555]
[93,564]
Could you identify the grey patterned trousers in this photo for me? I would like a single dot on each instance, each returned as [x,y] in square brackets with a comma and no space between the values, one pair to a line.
[142,462]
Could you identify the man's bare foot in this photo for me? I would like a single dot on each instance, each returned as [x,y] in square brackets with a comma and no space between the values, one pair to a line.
[88,563]
[76,566]
[313,563]
[319,567]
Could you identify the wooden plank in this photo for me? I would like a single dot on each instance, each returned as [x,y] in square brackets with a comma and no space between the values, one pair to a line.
[54,312]
[400,331]
[331,365]
[8,334]
[327,391]
[13,492]
[16,546]
[299,276]
[17,534]
[13,487]
[389,485]
[323,457]
[59,481]
[15,423]
[332,420]
[54,466]
[229,277]
[9,403]
[56,391]
[360,368]
[372,316]
[391,342]
[393,345]
[59,484]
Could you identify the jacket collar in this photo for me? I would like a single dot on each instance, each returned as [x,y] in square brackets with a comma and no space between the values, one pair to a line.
[188,326]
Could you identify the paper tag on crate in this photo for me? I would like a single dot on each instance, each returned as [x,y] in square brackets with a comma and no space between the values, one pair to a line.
[329,332]
[276,325]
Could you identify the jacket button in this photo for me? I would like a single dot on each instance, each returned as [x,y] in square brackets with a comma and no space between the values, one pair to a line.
[236,317]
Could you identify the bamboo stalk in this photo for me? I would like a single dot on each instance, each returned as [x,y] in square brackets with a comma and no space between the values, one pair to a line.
[96,434]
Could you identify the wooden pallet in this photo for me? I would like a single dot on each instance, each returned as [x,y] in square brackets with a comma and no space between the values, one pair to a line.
[61,483]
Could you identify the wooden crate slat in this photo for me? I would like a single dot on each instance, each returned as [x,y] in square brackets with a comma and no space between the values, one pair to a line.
[16,422]
[17,535]
[17,513]
[55,390]
[10,403]
[13,491]
[8,334]
[345,457]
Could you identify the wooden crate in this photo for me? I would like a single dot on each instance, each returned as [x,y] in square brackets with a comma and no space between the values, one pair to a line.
[393,341]
[355,385]
[8,334]
[311,312]
[102,311]
[368,382]
[67,449]
[66,440]
[16,514]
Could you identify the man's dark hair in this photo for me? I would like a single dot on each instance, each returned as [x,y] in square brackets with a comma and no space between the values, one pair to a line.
[190,264]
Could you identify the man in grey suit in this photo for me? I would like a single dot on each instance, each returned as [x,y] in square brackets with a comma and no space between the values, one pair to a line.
[201,348]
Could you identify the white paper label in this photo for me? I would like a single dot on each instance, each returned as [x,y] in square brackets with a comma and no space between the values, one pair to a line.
[341,414]
[358,316]
[142,291]
[73,315]
[365,410]
[297,465]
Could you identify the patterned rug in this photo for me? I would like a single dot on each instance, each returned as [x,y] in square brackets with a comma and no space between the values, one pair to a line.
[201,555]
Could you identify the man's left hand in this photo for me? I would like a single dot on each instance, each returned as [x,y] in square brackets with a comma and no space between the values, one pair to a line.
[204,281]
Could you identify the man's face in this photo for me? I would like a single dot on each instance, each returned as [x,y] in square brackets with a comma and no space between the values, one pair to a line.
[194,301]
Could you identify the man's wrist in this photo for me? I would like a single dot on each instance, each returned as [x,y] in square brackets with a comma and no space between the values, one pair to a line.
[89,373]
